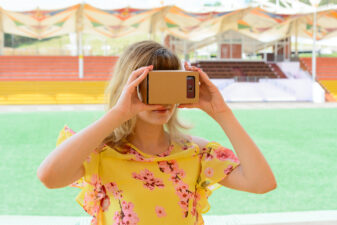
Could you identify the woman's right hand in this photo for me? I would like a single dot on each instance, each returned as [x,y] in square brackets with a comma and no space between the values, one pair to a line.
[129,103]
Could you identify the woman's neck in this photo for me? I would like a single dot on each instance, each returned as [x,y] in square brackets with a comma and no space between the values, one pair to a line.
[149,137]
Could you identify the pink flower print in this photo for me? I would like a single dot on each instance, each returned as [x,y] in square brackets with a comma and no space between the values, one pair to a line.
[184,205]
[117,218]
[93,211]
[175,179]
[96,182]
[184,194]
[149,181]
[228,170]
[138,156]
[181,173]
[128,215]
[103,198]
[127,206]
[167,166]
[97,198]
[105,203]
[209,172]
[167,152]
[206,153]
[160,211]
[112,188]
[195,200]
[208,156]
[222,153]
[181,186]
[172,168]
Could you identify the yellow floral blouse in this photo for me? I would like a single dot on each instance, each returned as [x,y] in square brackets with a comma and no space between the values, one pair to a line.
[124,185]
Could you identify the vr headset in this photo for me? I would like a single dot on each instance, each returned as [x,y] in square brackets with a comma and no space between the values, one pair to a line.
[169,87]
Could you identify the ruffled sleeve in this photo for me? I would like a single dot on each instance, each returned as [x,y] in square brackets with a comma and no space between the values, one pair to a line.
[217,162]
[91,193]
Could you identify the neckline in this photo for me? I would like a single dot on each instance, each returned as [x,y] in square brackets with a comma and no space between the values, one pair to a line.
[167,152]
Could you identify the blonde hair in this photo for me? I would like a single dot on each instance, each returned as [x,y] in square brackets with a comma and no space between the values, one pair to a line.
[143,53]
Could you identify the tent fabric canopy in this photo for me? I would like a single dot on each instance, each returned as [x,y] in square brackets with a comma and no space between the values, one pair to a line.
[255,23]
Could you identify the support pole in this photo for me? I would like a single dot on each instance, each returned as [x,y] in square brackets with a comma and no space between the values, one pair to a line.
[185,51]
[218,41]
[275,51]
[265,53]
[80,56]
[284,43]
[2,34]
[231,46]
[296,39]
[79,29]
[313,69]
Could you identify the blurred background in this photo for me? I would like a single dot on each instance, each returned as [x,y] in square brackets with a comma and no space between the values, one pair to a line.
[274,61]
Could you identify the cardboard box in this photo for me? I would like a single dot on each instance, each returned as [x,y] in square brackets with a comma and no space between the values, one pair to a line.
[170,87]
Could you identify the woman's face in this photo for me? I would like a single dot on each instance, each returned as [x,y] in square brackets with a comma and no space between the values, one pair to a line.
[157,117]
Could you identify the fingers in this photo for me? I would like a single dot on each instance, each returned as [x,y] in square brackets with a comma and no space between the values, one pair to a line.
[140,78]
[134,75]
[187,66]
[203,76]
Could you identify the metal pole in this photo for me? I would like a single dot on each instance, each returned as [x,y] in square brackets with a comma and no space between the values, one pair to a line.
[314,46]
[185,51]
[231,46]
[277,5]
[296,40]
[284,49]
[275,51]
[79,29]
[2,42]
[219,47]
[80,56]
[2,34]
[265,53]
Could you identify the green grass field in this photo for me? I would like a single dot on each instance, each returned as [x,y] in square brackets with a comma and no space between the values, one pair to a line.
[299,144]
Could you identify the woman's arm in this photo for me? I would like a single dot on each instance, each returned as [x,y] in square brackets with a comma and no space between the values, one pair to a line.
[253,174]
[64,164]
[254,168]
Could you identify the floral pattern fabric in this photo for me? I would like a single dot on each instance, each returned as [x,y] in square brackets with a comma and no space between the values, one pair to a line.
[124,185]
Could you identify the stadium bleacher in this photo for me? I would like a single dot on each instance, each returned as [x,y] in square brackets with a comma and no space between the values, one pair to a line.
[55,67]
[326,73]
[29,77]
[240,69]
[53,79]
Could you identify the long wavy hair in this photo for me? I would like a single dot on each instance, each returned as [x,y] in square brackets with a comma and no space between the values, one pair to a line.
[143,53]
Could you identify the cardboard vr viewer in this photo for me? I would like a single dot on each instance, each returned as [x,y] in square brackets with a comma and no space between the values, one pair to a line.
[169,87]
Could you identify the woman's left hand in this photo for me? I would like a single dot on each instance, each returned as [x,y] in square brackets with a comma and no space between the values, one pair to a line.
[210,98]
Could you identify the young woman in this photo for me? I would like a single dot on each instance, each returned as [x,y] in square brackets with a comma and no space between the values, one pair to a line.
[134,165]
